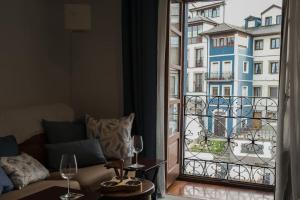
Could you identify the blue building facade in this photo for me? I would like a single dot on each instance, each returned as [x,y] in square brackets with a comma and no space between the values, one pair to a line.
[230,79]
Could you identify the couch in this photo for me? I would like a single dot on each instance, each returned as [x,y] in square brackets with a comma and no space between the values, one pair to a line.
[25,125]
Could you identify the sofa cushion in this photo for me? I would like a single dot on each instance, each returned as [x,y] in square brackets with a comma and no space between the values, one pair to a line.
[89,178]
[23,169]
[88,152]
[60,132]
[5,183]
[113,134]
[37,187]
[9,146]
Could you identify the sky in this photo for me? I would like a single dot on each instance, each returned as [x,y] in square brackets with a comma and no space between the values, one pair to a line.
[238,10]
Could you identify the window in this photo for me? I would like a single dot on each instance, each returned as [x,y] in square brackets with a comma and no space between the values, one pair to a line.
[190,28]
[257,91]
[221,42]
[275,43]
[278,19]
[245,91]
[274,67]
[227,90]
[258,68]
[273,92]
[214,90]
[199,57]
[230,41]
[251,24]
[268,21]
[259,44]
[198,82]
[215,12]
[245,67]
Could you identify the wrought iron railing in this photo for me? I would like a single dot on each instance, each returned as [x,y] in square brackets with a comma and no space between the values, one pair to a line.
[231,138]
[219,76]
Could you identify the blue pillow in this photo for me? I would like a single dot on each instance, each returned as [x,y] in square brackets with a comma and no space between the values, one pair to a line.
[88,152]
[5,183]
[60,132]
[8,146]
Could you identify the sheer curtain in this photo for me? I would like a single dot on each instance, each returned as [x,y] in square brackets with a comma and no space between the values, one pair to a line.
[288,140]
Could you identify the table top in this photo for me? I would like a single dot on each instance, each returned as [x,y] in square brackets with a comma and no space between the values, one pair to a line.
[54,193]
[149,164]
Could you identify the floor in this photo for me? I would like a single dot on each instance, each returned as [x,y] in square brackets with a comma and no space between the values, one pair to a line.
[214,192]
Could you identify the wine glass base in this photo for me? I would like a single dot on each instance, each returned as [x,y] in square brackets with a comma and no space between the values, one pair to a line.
[137,166]
[70,196]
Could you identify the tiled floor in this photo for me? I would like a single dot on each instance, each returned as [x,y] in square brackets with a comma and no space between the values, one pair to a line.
[215,192]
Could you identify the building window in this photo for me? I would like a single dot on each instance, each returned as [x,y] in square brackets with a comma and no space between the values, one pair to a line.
[227,91]
[268,21]
[278,19]
[221,42]
[273,92]
[245,67]
[259,44]
[195,30]
[257,91]
[214,90]
[245,91]
[275,43]
[274,67]
[215,12]
[258,68]
[199,57]
[198,82]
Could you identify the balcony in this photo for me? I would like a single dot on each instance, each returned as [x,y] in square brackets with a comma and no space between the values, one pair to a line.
[195,40]
[230,139]
[215,76]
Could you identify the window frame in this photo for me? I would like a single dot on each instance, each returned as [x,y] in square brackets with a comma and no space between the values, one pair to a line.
[223,90]
[258,41]
[254,67]
[247,70]
[267,19]
[257,86]
[244,86]
[211,90]
[278,19]
[269,88]
[277,67]
[275,39]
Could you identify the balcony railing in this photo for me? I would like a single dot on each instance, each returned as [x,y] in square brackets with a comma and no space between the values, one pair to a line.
[219,76]
[230,138]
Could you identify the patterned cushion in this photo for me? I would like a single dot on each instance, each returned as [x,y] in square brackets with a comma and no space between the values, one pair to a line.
[23,169]
[113,134]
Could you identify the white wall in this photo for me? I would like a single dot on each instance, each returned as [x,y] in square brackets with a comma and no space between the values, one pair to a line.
[273,12]
[34,54]
[97,63]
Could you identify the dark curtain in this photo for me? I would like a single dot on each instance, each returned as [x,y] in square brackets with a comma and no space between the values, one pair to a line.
[139,40]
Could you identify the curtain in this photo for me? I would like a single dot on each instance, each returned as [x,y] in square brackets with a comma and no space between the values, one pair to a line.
[288,138]
[139,47]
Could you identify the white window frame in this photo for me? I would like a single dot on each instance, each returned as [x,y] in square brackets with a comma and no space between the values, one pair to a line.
[247,70]
[223,90]
[243,90]
[211,90]
[211,63]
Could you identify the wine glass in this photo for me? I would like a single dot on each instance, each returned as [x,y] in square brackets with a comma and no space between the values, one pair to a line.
[137,143]
[68,169]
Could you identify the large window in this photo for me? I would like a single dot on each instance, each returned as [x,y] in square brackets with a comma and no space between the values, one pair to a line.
[259,44]
[212,12]
[214,90]
[227,90]
[199,57]
[274,67]
[273,92]
[195,30]
[268,21]
[258,68]
[257,91]
[275,43]
[223,41]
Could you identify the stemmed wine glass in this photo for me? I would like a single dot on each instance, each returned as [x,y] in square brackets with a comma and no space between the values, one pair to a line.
[137,143]
[68,169]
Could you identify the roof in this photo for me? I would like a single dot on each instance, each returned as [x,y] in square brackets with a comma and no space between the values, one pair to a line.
[264,30]
[251,17]
[224,27]
[255,31]
[206,4]
[202,19]
[269,8]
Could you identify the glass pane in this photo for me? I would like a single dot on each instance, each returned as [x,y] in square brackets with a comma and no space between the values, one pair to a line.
[174,49]
[173,118]
[174,83]
[175,15]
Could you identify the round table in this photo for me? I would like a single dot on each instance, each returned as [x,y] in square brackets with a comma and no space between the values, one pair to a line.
[143,194]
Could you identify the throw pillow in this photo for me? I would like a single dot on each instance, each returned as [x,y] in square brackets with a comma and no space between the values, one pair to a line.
[9,146]
[23,169]
[60,132]
[88,152]
[113,134]
[5,183]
